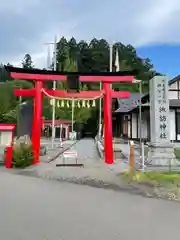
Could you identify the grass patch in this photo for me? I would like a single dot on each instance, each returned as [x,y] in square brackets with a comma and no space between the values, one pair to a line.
[155,178]
[177,152]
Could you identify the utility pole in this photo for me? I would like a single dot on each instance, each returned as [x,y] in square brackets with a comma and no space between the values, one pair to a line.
[140,114]
[49,60]
[100,112]
[54,88]
[110,57]
[100,86]
[20,97]
[72,116]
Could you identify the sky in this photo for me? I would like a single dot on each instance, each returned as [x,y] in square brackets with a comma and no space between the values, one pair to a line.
[150,26]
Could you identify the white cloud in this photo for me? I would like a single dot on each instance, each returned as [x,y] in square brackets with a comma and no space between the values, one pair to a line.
[26,25]
[159,23]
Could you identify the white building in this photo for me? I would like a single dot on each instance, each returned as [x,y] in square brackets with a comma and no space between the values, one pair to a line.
[126,116]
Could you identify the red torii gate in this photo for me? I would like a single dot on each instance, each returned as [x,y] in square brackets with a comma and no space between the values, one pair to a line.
[39,76]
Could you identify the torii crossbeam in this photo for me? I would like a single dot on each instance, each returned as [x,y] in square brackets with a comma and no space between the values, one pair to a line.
[39,76]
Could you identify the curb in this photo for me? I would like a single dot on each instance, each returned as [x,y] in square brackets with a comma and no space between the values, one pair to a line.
[97,183]
[124,186]
[87,181]
[100,148]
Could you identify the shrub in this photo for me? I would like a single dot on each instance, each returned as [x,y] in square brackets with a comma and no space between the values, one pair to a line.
[22,156]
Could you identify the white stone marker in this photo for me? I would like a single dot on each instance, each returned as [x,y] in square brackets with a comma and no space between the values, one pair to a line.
[159,110]
[161,152]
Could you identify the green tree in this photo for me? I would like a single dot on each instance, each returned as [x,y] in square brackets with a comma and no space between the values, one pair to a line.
[47,109]
[100,55]
[84,58]
[27,61]
[77,56]
[95,57]
[4,76]
[9,102]
[73,49]
[62,53]
[80,114]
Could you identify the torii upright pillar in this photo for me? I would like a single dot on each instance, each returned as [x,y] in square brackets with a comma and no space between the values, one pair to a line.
[37,120]
[108,95]
[108,140]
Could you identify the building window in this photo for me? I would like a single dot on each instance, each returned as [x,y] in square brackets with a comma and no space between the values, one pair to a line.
[178,122]
[126,118]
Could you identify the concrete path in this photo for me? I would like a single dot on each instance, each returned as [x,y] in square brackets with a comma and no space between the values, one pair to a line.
[52,152]
[38,209]
[86,152]
[94,172]
[88,155]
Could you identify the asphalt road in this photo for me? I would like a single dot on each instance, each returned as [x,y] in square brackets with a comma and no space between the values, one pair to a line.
[36,209]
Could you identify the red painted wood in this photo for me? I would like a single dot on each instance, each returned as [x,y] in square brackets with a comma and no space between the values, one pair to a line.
[59,93]
[8,156]
[82,94]
[7,127]
[106,79]
[37,122]
[107,93]
[25,92]
[47,77]
[43,77]
[115,94]
[108,145]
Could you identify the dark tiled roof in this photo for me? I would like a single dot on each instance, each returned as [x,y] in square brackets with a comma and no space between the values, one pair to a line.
[12,69]
[146,96]
[174,103]
[126,105]
[174,79]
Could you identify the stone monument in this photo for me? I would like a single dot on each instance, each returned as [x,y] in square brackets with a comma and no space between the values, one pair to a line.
[25,119]
[161,151]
